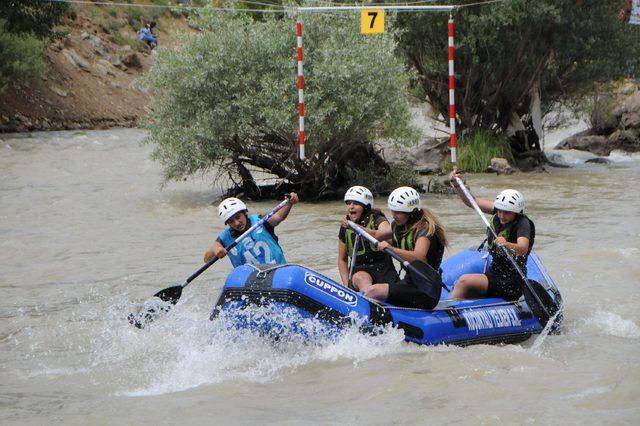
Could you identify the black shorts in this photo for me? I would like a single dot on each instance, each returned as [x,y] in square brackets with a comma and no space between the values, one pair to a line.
[505,286]
[380,272]
[405,294]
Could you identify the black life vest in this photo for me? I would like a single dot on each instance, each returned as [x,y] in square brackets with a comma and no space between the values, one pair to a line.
[508,232]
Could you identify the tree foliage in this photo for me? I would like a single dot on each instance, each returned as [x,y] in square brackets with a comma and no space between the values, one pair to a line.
[21,57]
[32,16]
[22,24]
[227,98]
[505,49]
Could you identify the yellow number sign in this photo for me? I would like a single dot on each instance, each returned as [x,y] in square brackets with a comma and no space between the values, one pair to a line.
[372,21]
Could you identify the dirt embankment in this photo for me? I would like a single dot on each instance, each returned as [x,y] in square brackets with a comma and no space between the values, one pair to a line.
[89,83]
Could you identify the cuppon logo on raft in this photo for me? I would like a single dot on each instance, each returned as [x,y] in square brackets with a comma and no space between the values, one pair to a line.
[333,290]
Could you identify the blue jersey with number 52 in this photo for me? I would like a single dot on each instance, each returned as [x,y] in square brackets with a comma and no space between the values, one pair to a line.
[259,248]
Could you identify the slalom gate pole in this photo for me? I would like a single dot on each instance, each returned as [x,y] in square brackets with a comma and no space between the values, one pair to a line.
[452,98]
[399,8]
[300,88]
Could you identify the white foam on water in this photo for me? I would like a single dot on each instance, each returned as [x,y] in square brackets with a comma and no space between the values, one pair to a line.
[598,390]
[614,325]
[184,350]
[574,157]
[540,339]
[618,156]
[629,252]
[58,372]
[569,156]
[357,346]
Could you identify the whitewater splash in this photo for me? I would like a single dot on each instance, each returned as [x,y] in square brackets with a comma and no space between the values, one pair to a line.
[573,157]
[614,325]
[187,350]
[550,328]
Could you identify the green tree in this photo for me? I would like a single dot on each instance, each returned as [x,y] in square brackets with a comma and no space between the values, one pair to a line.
[22,24]
[227,99]
[32,16]
[505,49]
[21,57]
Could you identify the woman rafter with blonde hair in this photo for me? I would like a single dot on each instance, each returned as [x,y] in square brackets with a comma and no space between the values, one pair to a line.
[416,234]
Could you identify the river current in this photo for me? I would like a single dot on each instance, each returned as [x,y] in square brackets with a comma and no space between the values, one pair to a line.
[86,232]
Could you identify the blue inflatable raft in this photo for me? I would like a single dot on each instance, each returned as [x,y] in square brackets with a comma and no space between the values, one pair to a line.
[461,322]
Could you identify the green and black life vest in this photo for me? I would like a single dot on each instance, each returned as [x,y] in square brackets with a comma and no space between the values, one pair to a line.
[404,241]
[407,241]
[367,252]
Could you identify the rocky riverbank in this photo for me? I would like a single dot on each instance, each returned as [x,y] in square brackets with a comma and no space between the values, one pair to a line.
[618,129]
[90,80]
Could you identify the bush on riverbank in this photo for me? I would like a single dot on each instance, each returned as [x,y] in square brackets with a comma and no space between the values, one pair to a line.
[21,57]
[32,16]
[398,174]
[476,150]
[600,112]
[23,23]
[227,99]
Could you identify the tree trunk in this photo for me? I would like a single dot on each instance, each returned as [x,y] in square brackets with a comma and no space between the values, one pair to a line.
[322,176]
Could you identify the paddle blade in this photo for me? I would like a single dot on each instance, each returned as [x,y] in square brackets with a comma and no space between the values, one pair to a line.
[160,303]
[171,294]
[426,279]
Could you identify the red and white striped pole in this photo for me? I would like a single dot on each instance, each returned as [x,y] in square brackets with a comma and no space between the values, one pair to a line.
[452,100]
[300,89]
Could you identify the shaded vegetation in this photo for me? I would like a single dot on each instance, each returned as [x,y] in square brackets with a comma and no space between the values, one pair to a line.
[506,50]
[21,57]
[23,23]
[31,16]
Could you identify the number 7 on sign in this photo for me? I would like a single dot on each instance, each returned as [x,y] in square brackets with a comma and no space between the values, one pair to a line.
[372,21]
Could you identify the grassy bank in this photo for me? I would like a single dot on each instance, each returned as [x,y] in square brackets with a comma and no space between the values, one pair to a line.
[476,150]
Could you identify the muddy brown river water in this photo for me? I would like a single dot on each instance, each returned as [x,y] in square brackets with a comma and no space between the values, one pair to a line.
[86,232]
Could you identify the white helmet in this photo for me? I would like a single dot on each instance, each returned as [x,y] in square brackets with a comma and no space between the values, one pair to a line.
[404,199]
[509,200]
[359,194]
[229,207]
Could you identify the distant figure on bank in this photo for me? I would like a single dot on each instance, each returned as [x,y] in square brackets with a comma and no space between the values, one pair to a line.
[259,248]
[146,35]
[515,231]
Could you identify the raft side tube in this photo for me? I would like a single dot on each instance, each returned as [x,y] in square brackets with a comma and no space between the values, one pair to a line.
[302,288]
[460,322]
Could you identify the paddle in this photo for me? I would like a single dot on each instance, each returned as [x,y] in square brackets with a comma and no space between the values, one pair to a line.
[506,251]
[354,255]
[423,275]
[172,294]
